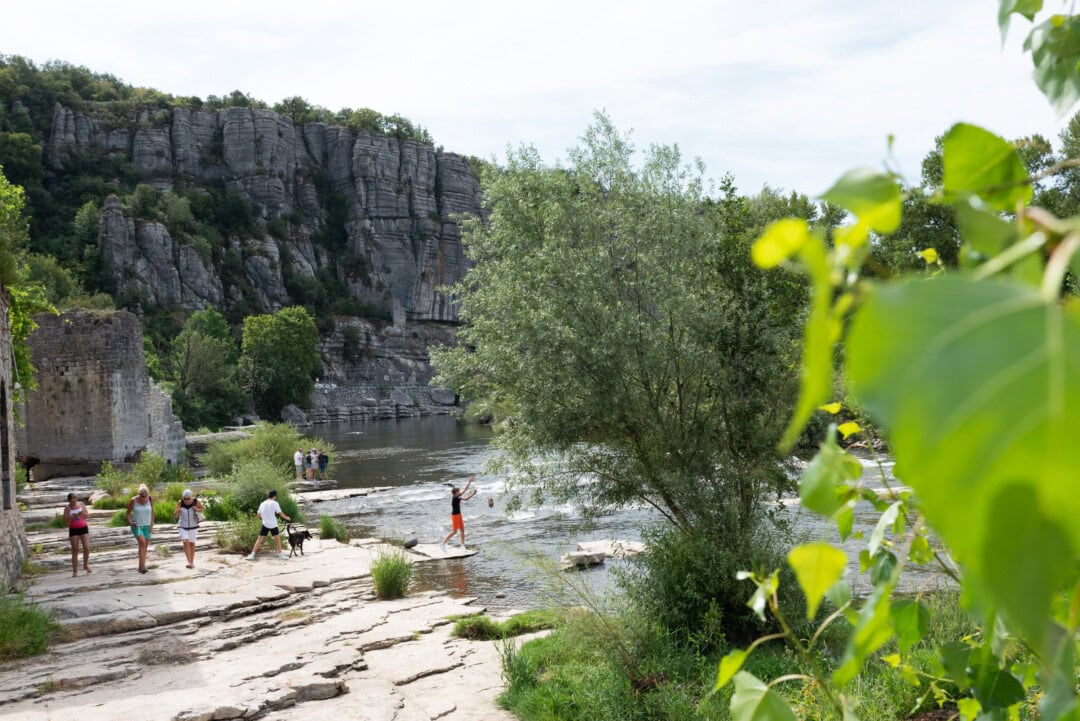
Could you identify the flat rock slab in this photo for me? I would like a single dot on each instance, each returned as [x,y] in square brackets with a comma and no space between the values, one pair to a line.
[435,551]
[339,494]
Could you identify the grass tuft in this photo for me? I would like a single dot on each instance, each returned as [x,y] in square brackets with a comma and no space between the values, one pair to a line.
[483,628]
[332,528]
[391,573]
[25,628]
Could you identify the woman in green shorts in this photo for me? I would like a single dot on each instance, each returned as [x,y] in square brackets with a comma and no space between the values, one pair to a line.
[140,516]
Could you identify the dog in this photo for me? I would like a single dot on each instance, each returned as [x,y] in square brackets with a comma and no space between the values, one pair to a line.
[296,539]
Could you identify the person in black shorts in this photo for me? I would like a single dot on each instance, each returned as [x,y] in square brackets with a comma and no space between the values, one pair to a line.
[457,523]
[78,528]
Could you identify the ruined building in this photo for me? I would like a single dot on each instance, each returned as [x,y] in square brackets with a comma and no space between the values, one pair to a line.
[95,400]
[13,547]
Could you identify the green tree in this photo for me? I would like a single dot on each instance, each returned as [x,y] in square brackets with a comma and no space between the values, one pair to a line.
[202,372]
[616,306]
[279,357]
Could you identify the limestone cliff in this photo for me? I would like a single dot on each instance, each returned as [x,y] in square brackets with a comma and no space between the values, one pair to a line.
[399,241]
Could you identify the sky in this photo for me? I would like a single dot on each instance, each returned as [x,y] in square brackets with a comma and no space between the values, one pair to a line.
[788,93]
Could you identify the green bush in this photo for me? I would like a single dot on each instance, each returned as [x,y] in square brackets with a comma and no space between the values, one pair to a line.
[111,503]
[57,522]
[112,480]
[25,628]
[163,513]
[238,535]
[21,478]
[687,583]
[149,471]
[391,573]
[272,442]
[332,528]
[484,628]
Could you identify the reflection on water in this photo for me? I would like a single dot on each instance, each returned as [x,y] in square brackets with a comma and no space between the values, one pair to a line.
[420,459]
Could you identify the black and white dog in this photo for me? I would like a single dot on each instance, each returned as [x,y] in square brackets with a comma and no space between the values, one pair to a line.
[296,539]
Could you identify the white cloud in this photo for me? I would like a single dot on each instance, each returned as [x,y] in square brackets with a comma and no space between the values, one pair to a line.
[789,93]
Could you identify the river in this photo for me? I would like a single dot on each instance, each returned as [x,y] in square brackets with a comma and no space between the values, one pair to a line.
[419,459]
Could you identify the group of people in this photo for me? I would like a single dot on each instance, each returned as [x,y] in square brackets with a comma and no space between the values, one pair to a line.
[140,518]
[189,509]
[307,463]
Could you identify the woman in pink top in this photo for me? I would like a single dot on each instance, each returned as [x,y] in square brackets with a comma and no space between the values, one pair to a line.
[75,518]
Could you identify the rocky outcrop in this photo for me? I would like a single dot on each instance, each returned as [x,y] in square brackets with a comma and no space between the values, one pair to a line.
[401,231]
[380,372]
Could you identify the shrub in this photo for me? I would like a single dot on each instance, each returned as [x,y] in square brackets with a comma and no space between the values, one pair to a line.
[149,471]
[57,522]
[25,628]
[238,535]
[391,573]
[21,478]
[332,528]
[250,481]
[112,480]
[687,582]
[274,442]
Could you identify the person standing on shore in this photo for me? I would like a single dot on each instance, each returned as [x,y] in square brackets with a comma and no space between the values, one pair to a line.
[140,516]
[186,514]
[324,461]
[78,528]
[269,510]
[298,461]
[457,523]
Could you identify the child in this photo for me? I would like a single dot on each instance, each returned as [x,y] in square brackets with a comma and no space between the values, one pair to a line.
[456,522]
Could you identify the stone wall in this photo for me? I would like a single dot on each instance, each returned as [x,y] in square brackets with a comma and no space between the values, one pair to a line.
[94,399]
[13,547]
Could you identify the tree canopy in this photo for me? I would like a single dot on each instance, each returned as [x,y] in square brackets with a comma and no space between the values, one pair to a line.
[615,325]
[279,359]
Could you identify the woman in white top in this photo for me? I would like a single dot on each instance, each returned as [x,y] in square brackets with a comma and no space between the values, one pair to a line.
[186,514]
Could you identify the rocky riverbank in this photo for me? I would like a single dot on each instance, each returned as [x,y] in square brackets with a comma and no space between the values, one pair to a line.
[303,638]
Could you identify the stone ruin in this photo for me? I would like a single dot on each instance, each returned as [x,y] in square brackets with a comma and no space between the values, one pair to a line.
[13,548]
[95,400]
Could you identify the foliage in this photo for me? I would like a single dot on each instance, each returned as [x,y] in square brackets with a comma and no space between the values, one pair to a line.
[330,527]
[616,306]
[687,584]
[201,370]
[238,536]
[391,573]
[250,482]
[271,442]
[279,357]
[22,477]
[974,376]
[112,480]
[25,628]
[480,627]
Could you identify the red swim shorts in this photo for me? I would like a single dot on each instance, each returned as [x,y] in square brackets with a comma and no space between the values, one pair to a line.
[456,522]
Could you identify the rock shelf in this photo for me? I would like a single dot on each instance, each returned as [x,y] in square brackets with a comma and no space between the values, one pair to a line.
[302,638]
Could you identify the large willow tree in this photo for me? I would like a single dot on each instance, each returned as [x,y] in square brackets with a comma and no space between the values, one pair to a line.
[617,332]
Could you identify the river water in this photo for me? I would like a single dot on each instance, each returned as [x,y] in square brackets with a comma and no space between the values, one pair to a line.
[419,459]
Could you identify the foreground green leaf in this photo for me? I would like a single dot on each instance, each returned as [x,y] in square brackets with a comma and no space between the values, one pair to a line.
[977,162]
[872,197]
[980,385]
[754,701]
[1054,46]
[817,567]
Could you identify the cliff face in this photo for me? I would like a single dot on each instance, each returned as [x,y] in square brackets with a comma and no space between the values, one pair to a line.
[399,242]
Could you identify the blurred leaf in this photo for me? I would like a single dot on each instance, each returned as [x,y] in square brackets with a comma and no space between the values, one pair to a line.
[911,619]
[980,386]
[1007,8]
[920,552]
[871,196]
[883,567]
[849,429]
[873,628]
[888,518]
[819,336]
[781,240]
[817,567]
[821,486]
[977,162]
[930,255]
[830,408]
[729,665]
[969,708]
[1055,49]
[995,688]
[984,231]
[754,701]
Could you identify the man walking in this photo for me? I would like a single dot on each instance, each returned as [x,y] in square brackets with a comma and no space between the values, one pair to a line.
[269,510]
